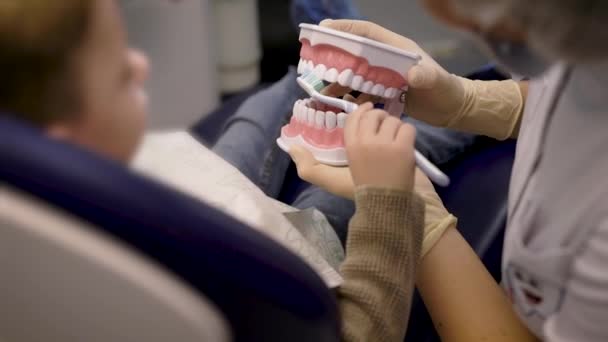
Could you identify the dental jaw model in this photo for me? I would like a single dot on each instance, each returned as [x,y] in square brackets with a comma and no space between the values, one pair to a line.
[355,62]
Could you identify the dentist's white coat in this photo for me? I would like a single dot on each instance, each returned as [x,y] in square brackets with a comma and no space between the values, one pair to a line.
[555,261]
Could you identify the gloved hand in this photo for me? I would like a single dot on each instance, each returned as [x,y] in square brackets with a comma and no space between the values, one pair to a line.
[380,150]
[436,217]
[442,99]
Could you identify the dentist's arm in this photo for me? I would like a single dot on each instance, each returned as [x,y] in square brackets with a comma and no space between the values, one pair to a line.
[464,301]
[491,108]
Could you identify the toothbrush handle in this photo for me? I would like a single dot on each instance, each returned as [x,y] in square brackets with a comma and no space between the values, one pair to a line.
[429,169]
[350,107]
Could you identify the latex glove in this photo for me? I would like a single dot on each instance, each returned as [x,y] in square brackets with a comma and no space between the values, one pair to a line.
[437,220]
[492,108]
[380,150]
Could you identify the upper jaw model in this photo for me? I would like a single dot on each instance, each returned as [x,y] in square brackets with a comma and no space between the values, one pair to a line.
[354,62]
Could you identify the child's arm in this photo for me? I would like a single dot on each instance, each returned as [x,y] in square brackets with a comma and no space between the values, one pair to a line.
[385,233]
[383,247]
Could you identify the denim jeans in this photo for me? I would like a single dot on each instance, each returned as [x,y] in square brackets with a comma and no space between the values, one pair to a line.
[313,11]
[248,142]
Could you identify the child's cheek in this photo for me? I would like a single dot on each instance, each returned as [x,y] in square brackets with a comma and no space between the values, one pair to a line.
[141,97]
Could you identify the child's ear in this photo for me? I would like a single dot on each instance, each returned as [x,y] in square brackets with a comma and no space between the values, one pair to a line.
[60,131]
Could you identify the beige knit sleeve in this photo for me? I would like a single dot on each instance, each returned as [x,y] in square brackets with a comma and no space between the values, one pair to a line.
[382,251]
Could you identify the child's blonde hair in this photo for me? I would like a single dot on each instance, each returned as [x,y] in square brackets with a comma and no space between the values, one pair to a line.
[39,40]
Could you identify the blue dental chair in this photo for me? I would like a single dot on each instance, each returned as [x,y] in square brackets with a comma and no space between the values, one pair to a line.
[91,251]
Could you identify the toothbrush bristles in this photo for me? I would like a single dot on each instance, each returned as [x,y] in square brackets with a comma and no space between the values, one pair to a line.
[312,79]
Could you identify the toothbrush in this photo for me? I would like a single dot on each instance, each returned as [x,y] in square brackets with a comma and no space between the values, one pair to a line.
[313,85]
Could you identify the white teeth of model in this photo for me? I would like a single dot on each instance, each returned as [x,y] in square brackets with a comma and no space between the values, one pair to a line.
[305,111]
[320,119]
[309,66]
[301,66]
[310,116]
[304,66]
[367,87]
[331,75]
[390,93]
[296,109]
[320,70]
[345,78]
[342,120]
[378,90]
[331,120]
[302,112]
[357,82]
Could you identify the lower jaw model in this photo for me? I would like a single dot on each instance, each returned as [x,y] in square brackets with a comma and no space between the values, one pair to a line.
[335,58]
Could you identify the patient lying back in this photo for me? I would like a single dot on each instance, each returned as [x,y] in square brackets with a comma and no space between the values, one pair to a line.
[72,74]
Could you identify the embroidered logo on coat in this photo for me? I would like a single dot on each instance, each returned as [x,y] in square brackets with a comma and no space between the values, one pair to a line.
[531,294]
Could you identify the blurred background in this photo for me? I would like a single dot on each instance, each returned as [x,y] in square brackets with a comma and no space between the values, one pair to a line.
[205,51]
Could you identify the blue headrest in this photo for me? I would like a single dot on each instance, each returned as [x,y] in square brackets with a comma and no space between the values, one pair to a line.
[264,291]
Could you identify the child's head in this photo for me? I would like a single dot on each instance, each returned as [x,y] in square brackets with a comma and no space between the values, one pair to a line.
[65,66]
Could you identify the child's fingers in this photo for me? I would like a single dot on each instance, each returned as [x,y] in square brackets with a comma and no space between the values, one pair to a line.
[302,157]
[389,129]
[351,129]
[369,124]
[406,135]
[336,180]
[306,164]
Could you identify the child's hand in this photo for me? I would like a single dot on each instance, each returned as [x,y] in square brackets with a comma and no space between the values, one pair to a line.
[380,149]
[336,180]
